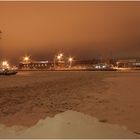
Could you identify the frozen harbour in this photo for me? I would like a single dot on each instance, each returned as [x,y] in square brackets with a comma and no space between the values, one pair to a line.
[69,124]
[30,99]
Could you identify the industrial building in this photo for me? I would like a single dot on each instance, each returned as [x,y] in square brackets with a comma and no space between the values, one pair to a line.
[35,65]
[128,63]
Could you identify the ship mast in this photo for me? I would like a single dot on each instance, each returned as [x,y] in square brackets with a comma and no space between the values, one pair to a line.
[0,33]
[0,46]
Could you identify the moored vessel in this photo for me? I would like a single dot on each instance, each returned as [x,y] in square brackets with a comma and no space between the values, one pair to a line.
[6,69]
[8,72]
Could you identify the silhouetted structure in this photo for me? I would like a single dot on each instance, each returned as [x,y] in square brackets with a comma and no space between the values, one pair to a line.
[35,65]
[129,63]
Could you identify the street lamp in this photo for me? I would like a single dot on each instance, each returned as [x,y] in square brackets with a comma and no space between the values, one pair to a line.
[61,54]
[26,59]
[58,57]
[70,61]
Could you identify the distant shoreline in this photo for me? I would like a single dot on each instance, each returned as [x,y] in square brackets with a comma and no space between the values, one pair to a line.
[84,70]
[67,70]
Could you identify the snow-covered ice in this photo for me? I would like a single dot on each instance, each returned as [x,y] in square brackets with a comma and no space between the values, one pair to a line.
[112,97]
[69,124]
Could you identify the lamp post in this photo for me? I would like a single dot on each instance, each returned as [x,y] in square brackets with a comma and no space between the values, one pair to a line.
[70,61]
[26,59]
[61,55]
[58,57]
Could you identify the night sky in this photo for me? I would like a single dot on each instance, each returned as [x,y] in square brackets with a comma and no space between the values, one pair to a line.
[83,29]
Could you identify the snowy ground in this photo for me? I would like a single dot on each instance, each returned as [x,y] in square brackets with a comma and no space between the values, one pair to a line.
[112,97]
[69,124]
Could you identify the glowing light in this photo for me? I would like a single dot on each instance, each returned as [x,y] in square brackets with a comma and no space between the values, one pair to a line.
[97,67]
[5,63]
[104,66]
[59,57]
[61,54]
[70,59]
[26,58]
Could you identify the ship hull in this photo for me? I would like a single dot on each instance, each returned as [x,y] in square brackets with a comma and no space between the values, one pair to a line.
[8,73]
